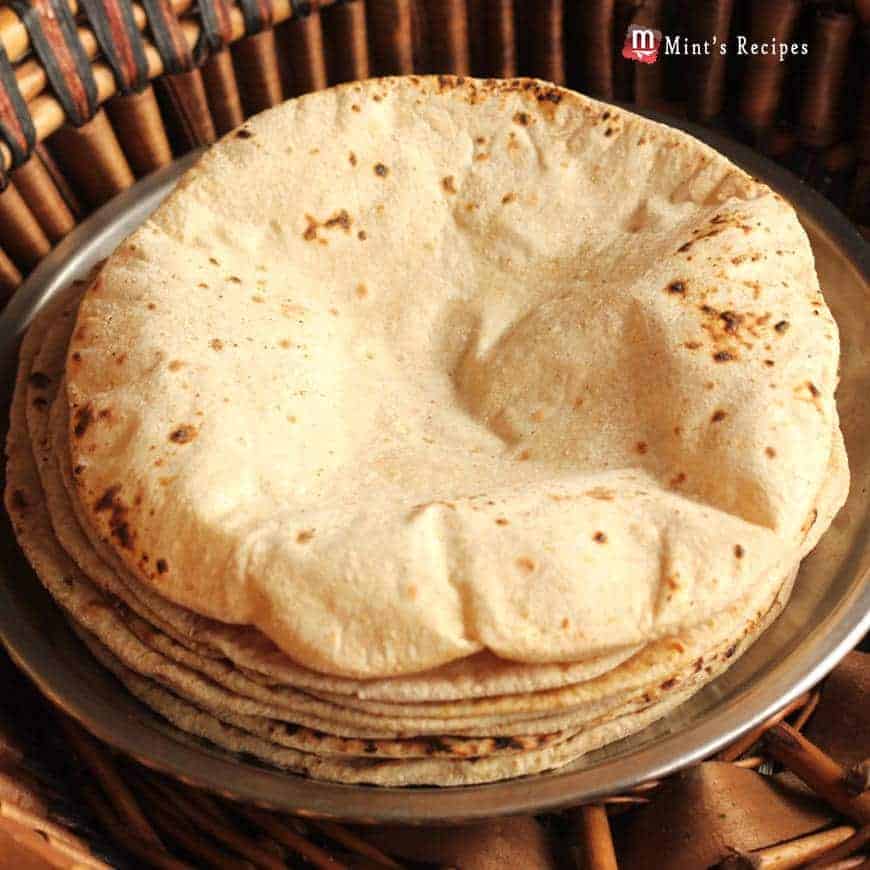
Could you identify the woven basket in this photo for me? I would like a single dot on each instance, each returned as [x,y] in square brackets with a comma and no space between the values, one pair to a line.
[96,93]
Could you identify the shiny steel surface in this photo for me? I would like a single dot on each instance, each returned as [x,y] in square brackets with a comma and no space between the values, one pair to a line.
[828,613]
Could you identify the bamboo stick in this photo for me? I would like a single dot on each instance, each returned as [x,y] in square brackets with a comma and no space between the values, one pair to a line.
[257,73]
[302,54]
[391,33]
[829,53]
[10,277]
[761,89]
[845,849]
[546,50]
[98,762]
[202,814]
[59,179]
[91,157]
[748,740]
[191,117]
[21,236]
[36,186]
[817,769]
[447,37]
[201,849]
[279,831]
[592,830]
[356,844]
[222,91]
[593,27]
[789,855]
[709,20]
[139,128]
[347,42]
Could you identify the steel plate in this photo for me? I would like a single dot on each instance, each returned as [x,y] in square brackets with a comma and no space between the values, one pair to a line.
[828,613]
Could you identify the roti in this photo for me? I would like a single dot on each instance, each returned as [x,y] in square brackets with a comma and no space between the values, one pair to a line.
[494,368]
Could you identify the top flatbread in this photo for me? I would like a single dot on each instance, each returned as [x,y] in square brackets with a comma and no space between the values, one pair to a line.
[415,368]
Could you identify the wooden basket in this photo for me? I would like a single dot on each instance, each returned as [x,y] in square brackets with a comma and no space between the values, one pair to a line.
[96,93]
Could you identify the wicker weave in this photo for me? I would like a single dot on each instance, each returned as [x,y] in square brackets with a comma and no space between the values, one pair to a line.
[202,68]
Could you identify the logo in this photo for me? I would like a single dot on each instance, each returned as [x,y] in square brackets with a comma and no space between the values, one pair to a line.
[642,44]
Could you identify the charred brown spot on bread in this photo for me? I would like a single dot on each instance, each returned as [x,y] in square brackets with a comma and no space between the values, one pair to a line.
[352,158]
[340,219]
[381,170]
[82,419]
[782,327]
[739,552]
[508,198]
[310,233]
[730,651]
[501,521]
[76,357]
[183,434]
[304,536]
[362,291]
[110,502]
[105,414]
[723,356]
[677,287]
[678,479]
[599,538]
[641,447]
[525,564]
[107,500]
[814,390]
[449,184]
[19,500]
[216,344]
[175,365]
[810,521]
[731,321]
[668,684]
[244,133]
[162,566]
[601,493]
[770,452]
[362,235]
[40,380]
[718,416]
[523,119]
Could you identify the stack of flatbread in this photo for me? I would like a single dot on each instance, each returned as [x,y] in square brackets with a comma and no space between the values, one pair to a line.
[433,431]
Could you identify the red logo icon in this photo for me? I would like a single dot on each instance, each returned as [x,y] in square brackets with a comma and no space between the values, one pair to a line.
[642,44]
